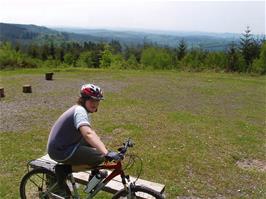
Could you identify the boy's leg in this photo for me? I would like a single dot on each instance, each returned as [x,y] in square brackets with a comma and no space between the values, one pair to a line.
[84,158]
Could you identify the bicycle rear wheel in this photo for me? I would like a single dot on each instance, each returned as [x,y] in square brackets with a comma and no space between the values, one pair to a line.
[139,192]
[41,183]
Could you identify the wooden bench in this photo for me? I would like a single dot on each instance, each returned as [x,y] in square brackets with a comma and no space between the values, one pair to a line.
[82,177]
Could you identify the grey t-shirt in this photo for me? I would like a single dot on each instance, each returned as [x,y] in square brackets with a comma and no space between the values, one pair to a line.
[64,137]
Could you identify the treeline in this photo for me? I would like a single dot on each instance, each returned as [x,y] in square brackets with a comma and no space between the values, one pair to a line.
[249,56]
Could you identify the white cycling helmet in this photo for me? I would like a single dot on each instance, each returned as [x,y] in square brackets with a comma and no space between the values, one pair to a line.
[91,91]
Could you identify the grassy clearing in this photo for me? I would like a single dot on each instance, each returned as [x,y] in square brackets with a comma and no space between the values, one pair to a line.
[190,128]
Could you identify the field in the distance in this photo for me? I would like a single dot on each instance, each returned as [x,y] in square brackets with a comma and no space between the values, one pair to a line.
[201,134]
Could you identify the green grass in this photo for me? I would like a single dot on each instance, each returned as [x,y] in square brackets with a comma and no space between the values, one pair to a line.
[190,129]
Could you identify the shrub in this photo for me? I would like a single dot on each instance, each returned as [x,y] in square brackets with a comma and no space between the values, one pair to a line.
[10,58]
[132,62]
[106,58]
[157,58]
[85,59]
[117,62]
[259,65]
[215,60]
[70,59]
[194,60]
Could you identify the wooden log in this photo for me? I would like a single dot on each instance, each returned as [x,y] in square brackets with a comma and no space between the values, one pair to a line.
[2,92]
[49,76]
[27,89]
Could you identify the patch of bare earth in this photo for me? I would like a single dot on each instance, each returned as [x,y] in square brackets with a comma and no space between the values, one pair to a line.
[22,112]
[258,165]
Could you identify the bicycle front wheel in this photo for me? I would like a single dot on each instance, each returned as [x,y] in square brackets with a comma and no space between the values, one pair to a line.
[40,183]
[139,192]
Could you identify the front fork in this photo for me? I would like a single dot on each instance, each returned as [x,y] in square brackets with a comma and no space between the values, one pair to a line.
[128,186]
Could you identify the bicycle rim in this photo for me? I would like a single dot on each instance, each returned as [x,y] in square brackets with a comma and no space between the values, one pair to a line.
[138,192]
[37,183]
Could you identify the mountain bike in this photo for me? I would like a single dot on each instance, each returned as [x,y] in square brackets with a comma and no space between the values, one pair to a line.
[42,183]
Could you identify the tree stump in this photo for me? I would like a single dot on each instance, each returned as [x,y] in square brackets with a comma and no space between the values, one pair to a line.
[49,76]
[2,92]
[27,89]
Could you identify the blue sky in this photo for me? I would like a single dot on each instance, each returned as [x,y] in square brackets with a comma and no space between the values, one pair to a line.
[174,15]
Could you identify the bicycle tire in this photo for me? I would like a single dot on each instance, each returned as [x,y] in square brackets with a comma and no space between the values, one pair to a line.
[139,192]
[35,184]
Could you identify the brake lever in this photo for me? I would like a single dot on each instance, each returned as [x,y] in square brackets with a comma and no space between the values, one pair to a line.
[121,156]
[130,143]
[120,149]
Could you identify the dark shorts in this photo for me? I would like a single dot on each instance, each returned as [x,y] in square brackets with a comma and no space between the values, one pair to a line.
[85,155]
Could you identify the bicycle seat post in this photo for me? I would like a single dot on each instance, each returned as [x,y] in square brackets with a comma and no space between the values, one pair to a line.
[74,186]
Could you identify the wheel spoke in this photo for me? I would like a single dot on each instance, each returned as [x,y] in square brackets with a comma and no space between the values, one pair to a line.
[42,178]
[35,184]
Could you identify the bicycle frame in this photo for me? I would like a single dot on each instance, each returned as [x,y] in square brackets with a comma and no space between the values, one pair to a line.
[130,189]
[117,170]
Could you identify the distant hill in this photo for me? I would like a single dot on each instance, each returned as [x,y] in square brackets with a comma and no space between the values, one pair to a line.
[32,33]
[27,33]
[208,41]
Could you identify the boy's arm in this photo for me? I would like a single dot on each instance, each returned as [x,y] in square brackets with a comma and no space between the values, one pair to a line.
[92,138]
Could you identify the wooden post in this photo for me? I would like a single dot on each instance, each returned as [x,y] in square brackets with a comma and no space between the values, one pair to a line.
[27,89]
[49,76]
[2,92]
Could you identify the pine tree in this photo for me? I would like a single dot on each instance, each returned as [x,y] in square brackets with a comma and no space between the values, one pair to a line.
[61,54]
[232,58]
[115,46]
[32,50]
[44,52]
[17,46]
[52,50]
[96,57]
[182,48]
[249,47]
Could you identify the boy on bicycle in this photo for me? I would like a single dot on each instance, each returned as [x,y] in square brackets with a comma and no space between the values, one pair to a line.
[72,140]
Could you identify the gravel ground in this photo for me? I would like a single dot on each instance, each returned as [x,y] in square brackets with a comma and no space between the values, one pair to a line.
[259,165]
[22,112]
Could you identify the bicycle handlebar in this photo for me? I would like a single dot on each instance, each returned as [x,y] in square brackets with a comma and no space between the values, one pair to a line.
[113,156]
[127,144]
[123,150]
